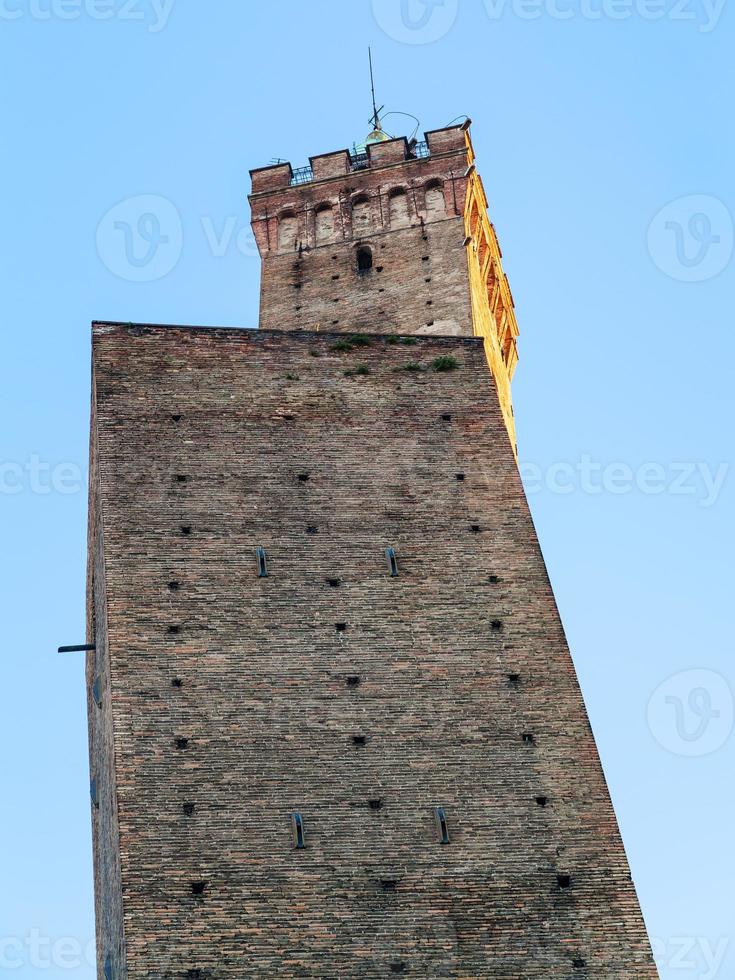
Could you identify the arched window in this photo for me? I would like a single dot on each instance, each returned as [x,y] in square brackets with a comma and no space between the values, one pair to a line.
[360,215]
[288,230]
[398,208]
[364,260]
[435,206]
[324,223]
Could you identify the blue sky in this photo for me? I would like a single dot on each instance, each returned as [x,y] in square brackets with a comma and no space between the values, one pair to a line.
[600,130]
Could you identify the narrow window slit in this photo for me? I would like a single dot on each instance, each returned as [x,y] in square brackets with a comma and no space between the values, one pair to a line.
[262,563]
[94,793]
[390,554]
[97,691]
[297,827]
[441,821]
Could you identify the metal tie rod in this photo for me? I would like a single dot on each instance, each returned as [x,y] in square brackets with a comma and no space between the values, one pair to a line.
[80,649]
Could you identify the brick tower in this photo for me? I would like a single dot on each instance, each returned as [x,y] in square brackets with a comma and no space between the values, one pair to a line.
[335,728]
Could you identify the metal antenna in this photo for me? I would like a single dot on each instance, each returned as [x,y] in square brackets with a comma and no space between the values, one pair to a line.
[376,111]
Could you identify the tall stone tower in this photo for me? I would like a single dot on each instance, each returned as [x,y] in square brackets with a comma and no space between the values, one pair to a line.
[335,728]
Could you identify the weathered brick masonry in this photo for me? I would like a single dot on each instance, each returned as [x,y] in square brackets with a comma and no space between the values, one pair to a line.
[226,702]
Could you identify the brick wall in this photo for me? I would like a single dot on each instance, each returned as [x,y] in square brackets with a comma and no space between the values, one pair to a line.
[235,700]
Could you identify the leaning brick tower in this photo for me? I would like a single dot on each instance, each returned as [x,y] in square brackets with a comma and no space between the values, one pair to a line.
[335,730]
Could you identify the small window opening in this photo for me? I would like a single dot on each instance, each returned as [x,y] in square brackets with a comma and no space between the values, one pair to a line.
[196,975]
[364,260]
[424,258]
[389,884]
[175,418]
[392,562]
[97,691]
[353,681]
[198,887]
[180,478]
[446,417]
[564,881]
[475,528]
[262,563]
[174,586]
[94,793]
[375,804]
[297,826]
[334,582]
[109,971]
[303,477]
[188,809]
[514,680]
[579,963]
[541,801]
[182,743]
[341,627]
[398,967]
[496,625]
[173,630]
[441,821]
[459,477]
[529,739]
[186,530]
[493,579]
[359,739]
[177,682]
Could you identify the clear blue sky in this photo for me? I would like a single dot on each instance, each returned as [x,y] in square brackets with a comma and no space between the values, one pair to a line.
[590,117]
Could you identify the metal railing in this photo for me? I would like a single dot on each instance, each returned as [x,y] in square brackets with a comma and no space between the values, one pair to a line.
[358,161]
[302,176]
